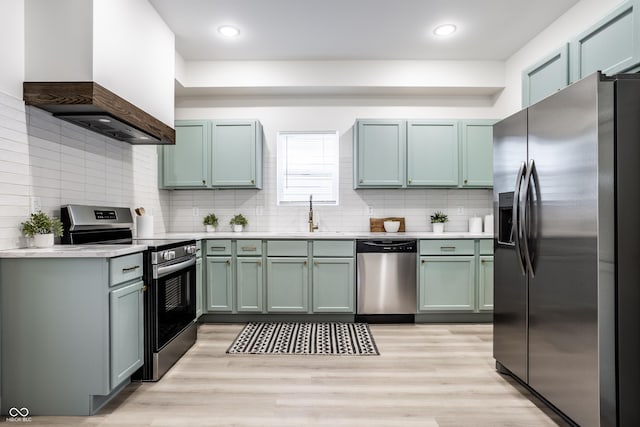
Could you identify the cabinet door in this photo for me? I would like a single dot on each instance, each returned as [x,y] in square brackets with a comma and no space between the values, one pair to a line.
[379,153]
[477,154]
[287,285]
[546,77]
[249,284]
[485,283]
[611,46]
[198,287]
[234,154]
[219,284]
[432,154]
[126,331]
[185,163]
[447,283]
[333,285]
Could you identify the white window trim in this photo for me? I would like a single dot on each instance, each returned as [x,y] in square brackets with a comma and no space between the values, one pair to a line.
[280,173]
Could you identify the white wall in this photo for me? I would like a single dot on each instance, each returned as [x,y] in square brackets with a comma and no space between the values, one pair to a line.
[573,22]
[12,46]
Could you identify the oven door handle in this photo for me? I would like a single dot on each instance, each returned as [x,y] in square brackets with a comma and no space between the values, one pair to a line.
[164,271]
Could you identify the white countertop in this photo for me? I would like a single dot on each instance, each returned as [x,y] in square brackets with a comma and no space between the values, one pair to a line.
[345,235]
[73,251]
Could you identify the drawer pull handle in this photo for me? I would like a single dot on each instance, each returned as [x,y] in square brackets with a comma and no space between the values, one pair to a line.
[305,263]
[410,180]
[423,261]
[248,248]
[228,262]
[447,248]
[259,263]
[127,269]
[204,182]
[253,181]
[316,263]
[218,248]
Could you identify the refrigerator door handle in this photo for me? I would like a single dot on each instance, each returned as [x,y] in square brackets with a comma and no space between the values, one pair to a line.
[525,215]
[515,217]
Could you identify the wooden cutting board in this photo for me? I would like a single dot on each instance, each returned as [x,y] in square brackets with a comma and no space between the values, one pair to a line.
[376,225]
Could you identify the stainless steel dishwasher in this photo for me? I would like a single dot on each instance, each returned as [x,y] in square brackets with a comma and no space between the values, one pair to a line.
[386,277]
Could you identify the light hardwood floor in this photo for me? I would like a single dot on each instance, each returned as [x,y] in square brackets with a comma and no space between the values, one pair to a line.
[426,375]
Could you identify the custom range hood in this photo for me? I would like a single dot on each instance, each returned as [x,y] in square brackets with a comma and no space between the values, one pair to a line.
[93,107]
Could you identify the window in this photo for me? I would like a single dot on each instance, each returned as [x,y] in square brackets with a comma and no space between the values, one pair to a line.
[308,164]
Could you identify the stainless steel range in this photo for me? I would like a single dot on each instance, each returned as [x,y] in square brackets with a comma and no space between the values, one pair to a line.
[169,276]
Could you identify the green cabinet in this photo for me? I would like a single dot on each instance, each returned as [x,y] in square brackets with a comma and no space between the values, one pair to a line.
[249,284]
[423,154]
[213,154]
[379,153]
[287,284]
[432,153]
[485,283]
[447,283]
[126,310]
[546,77]
[612,45]
[333,285]
[236,154]
[185,164]
[219,284]
[476,153]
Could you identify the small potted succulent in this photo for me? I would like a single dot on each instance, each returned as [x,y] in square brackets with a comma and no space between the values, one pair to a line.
[437,221]
[238,222]
[210,222]
[42,229]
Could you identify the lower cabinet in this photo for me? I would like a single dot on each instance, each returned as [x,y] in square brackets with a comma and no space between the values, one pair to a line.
[287,285]
[485,283]
[249,284]
[127,331]
[333,285]
[447,283]
[219,284]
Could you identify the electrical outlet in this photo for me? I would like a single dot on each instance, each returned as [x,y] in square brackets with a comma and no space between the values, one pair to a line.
[460,210]
[370,211]
[196,211]
[36,204]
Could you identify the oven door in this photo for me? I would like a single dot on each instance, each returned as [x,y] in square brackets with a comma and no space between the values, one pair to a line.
[174,300]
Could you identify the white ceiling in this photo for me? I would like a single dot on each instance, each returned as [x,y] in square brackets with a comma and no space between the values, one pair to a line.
[356,29]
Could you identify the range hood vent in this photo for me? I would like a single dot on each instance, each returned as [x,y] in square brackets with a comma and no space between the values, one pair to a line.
[93,107]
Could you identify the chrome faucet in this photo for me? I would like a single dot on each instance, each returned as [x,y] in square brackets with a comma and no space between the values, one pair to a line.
[311,225]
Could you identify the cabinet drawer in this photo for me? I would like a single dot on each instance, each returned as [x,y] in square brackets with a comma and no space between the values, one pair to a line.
[486,247]
[218,247]
[249,247]
[447,247]
[287,248]
[125,268]
[333,248]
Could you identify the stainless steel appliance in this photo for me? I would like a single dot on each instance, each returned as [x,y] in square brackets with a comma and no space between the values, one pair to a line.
[169,276]
[567,209]
[386,277]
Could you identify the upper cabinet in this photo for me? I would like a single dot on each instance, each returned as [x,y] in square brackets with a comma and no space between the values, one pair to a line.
[423,153]
[379,152]
[213,154]
[612,46]
[546,77]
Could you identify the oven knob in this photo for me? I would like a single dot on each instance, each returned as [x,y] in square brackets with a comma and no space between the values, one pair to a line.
[168,255]
[191,249]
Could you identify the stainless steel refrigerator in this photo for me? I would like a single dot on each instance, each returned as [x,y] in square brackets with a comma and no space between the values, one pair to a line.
[567,264]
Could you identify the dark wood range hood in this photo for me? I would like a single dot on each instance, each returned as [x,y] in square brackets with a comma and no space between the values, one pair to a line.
[93,107]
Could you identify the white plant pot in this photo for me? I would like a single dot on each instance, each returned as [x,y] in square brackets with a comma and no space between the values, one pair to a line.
[438,227]
[210,228]
[43,240]
[237,228]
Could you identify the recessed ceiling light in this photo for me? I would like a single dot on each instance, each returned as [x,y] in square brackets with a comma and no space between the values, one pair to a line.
[444,30]
[229,31]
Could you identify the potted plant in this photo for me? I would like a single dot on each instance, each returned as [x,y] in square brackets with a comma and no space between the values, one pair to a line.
[42,229]
[437,220]
[238,222]
[210,222]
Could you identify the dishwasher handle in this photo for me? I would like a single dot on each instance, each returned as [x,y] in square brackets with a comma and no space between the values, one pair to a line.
[386,246]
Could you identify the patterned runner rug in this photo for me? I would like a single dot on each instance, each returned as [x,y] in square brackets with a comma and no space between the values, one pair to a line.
[328,338]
